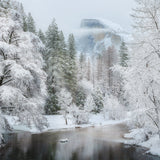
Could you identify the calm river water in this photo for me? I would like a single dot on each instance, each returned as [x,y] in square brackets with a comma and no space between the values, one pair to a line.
[100,143]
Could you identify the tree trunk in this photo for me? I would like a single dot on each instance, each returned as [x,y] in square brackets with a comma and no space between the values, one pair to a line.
[65,117]
[159,130]
[66,121]
[158,120]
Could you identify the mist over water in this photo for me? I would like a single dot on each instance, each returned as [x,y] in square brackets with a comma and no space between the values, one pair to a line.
[83,144]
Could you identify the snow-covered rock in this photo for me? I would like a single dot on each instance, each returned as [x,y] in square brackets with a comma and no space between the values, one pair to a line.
[64,140]
[139,137]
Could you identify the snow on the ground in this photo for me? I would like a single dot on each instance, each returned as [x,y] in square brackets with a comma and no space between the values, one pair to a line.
[17,126]
[138,137]
[153,144]
[98,120]
[57,122]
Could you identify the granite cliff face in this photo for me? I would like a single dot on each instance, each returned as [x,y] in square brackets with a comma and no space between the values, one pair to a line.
[91,23]
[96,35]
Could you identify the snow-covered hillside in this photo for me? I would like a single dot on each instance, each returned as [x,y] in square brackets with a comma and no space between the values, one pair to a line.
[22,79]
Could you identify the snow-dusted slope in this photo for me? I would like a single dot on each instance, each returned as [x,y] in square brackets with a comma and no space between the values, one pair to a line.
[96,35]
[22,79]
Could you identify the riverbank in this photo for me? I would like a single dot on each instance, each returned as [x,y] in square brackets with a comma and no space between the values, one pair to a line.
[57,122]
[138,137]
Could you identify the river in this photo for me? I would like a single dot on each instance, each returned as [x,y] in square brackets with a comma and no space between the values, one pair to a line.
[99,143]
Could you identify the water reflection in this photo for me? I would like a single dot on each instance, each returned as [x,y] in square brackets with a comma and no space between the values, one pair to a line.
[83,144]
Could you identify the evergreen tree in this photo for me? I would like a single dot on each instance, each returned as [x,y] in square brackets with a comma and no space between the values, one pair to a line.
[98,99]
[82,66]
[71,47]
[52,36]
[71,68]
[99,68]
[111,52]
[25,26]
[62,46]
[24,20]
[41,36]
[51,102]
[89,105]
[51,47]
[31,24]
[88,70]
[123,54]
[80,97]
[56,60]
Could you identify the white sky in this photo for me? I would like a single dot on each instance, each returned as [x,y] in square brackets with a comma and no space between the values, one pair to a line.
[68,13]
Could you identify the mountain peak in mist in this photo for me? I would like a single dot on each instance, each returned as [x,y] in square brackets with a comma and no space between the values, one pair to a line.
[99,23]
[91,23]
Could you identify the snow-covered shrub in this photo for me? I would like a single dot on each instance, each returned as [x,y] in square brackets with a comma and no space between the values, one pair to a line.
[98,99]
[139,119]
[89,105]
[80,116]
[65,102]
[139,135]
[4,125]
[112,107]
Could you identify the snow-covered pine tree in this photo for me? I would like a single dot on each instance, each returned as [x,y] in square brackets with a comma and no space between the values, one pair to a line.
[98,99]
[80,96]
[24,19]
[89,105]
[123,54]
[31,27]
[56,65]
[110,62]
[118,69]
[71,68]
[41,36]
[52,39]
[99,68]
[88,74]
[25,26]
[82,66]
[52,36]
[22,80]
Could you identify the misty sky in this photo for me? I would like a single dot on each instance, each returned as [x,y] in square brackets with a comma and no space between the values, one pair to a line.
[68,13]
